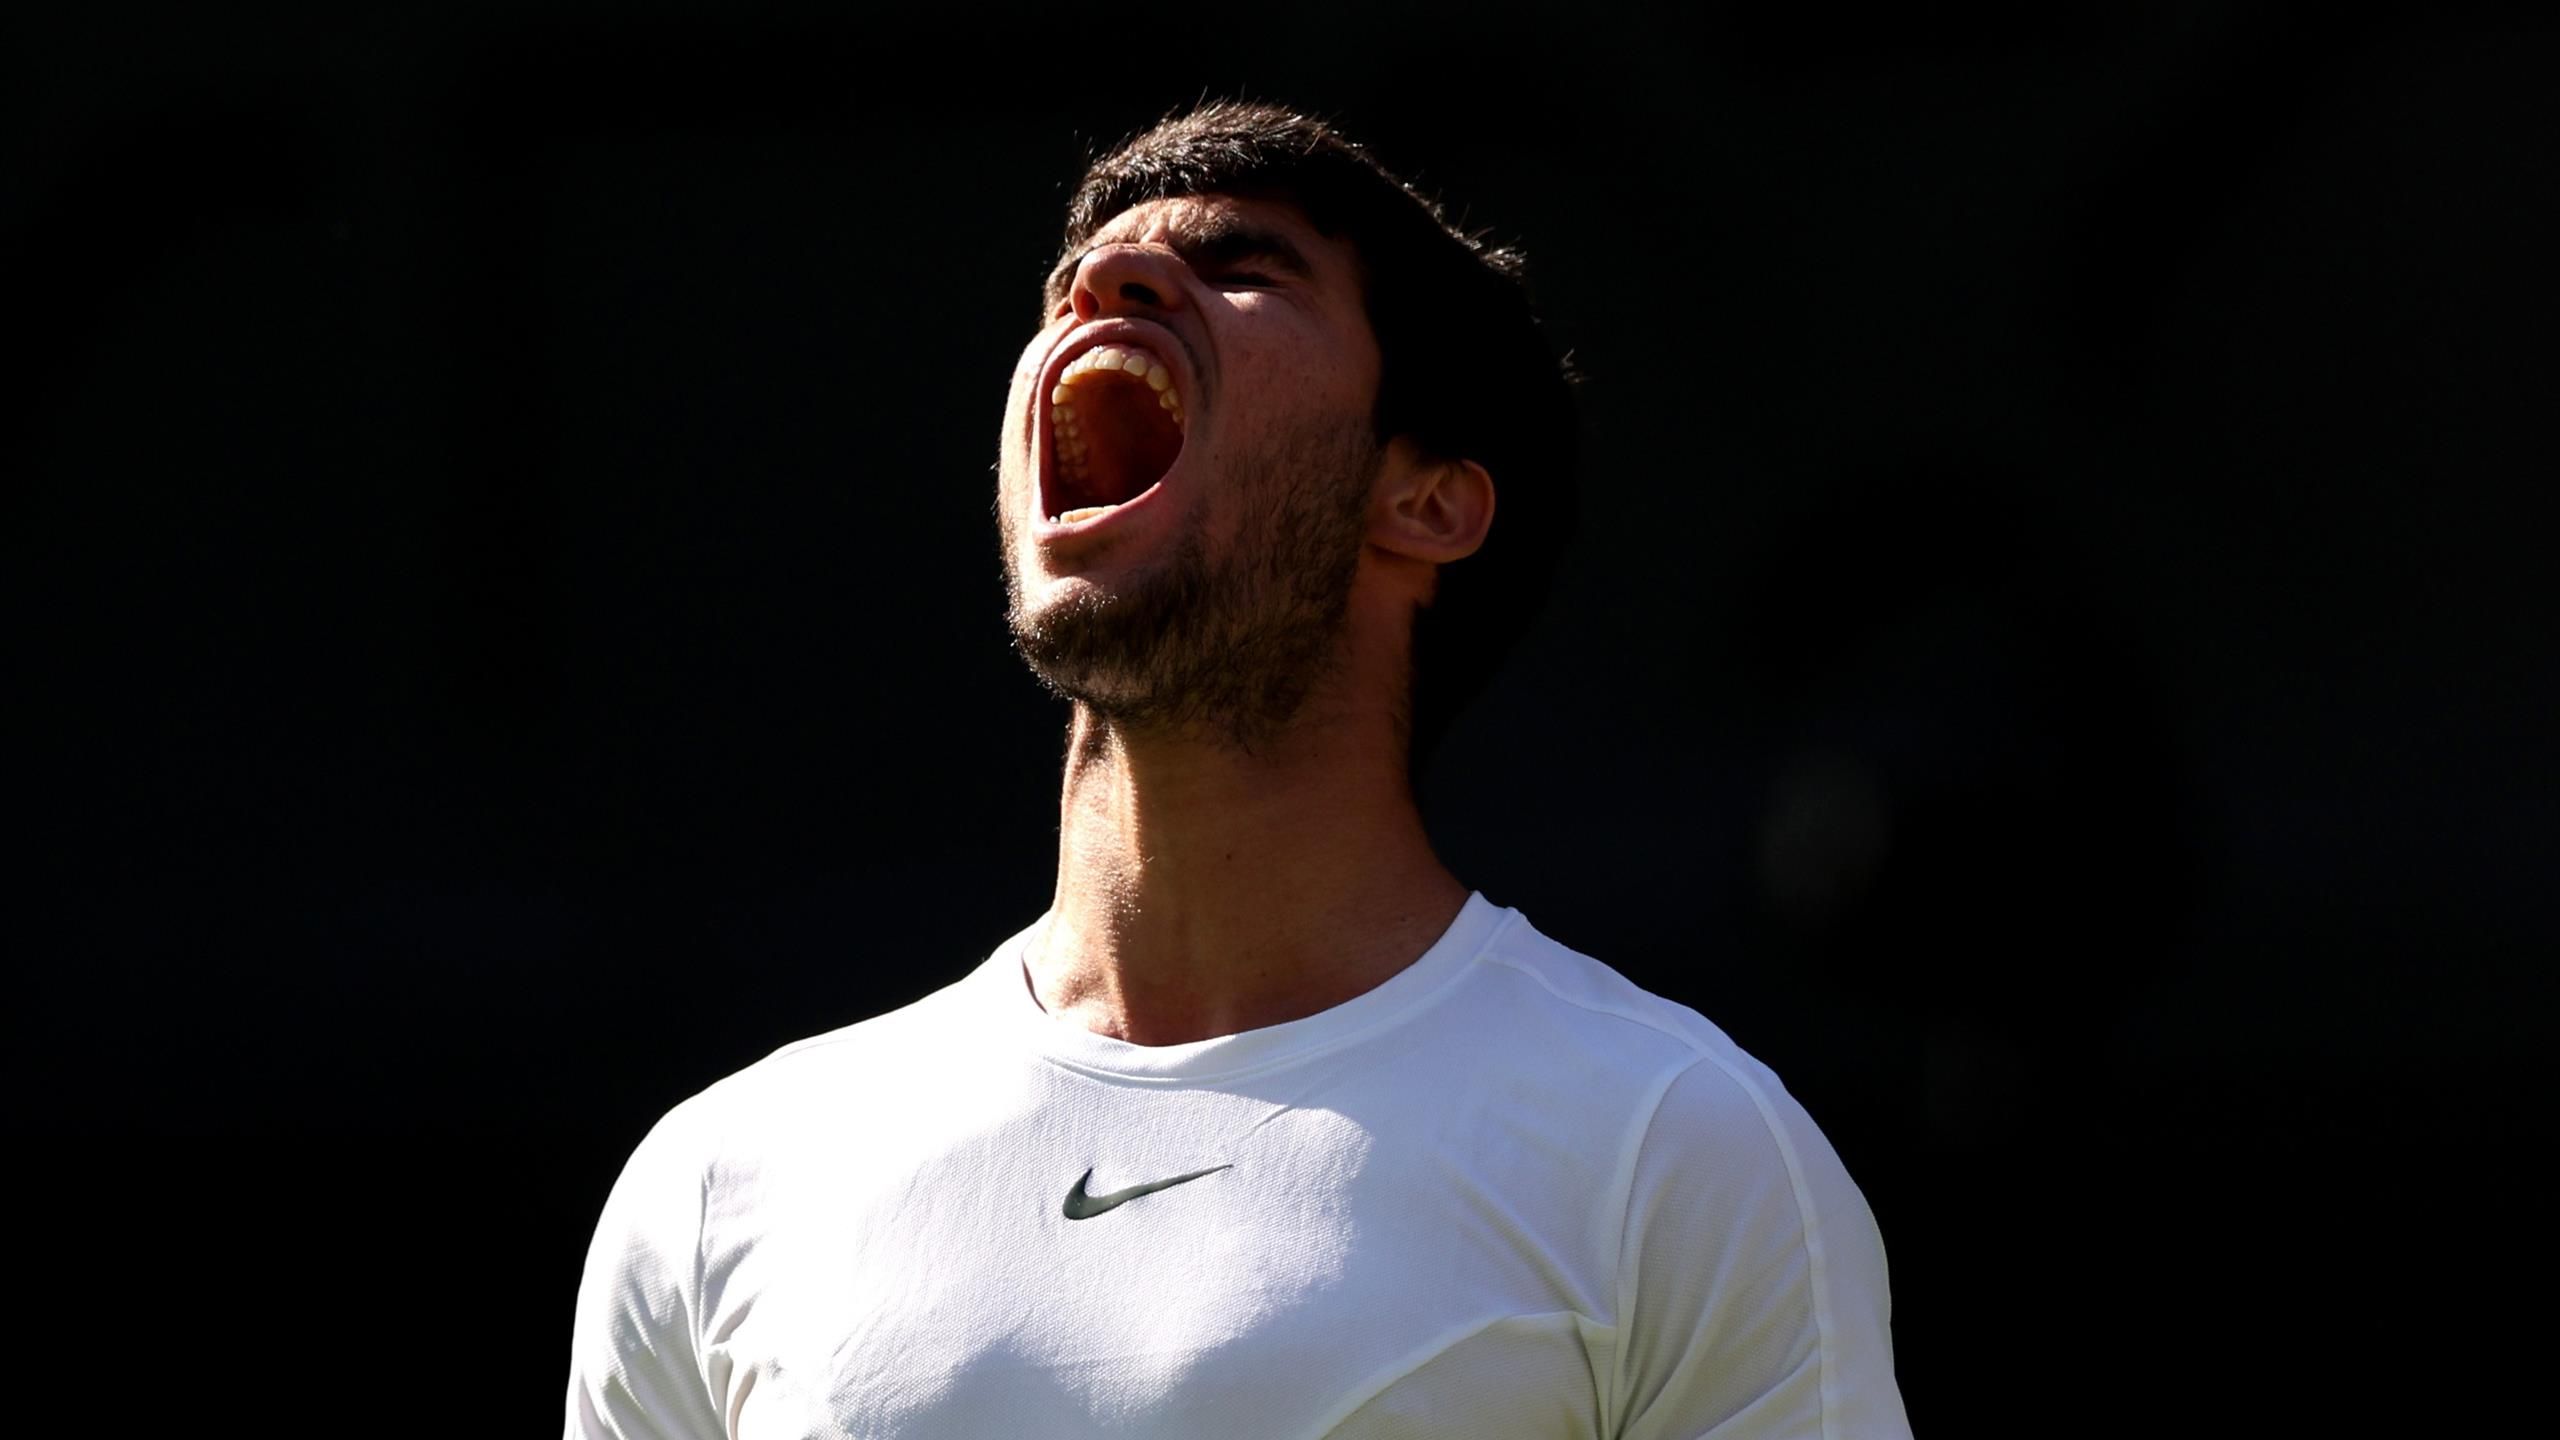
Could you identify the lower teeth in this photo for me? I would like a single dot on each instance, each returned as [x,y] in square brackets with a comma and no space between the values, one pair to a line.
[1086,513]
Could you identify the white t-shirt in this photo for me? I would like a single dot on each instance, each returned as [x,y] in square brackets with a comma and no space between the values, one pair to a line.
[1506,1193]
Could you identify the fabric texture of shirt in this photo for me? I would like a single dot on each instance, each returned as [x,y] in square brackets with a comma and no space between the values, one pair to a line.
[1504,1194]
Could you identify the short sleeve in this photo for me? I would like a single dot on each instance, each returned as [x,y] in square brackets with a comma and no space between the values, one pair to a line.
[1752,1279]
[635,1367]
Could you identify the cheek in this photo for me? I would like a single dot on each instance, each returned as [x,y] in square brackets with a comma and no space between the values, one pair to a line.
[1314,376]
[1027,364]
[1020,391]
[1017,409]
[1014,437]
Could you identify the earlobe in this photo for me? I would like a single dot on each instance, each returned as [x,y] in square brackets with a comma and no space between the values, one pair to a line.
[1431,509]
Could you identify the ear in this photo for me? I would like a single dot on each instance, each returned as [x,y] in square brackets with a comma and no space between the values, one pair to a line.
[1429,509]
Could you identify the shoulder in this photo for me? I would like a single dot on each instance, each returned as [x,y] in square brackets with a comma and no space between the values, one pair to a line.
[771,1108]
[827,1066]
[1700,1092]
[1751,1287]
[1646,1090]
[1616,1030]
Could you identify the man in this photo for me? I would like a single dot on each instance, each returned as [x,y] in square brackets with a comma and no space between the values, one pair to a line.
[1268,1127]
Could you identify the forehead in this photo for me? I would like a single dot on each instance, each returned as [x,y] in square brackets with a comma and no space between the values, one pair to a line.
[1214,226]
[1191,216]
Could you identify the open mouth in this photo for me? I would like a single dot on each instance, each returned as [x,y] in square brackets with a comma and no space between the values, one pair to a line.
[1115,428]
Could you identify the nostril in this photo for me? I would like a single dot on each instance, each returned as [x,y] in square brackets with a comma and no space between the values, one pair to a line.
[1116,277]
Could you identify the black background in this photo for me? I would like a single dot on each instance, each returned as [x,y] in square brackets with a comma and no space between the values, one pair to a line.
[506,630]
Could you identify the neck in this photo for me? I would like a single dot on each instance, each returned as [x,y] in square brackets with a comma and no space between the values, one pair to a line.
[1204,890]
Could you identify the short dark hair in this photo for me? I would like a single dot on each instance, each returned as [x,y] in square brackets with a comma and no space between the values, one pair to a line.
[1466,372]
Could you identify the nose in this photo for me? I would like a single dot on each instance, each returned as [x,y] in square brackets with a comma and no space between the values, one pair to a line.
[1126,279]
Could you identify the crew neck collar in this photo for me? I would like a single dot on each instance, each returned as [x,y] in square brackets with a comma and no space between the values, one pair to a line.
[1227,1057]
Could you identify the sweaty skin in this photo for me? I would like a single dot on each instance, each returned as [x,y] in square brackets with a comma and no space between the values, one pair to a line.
[1207,886]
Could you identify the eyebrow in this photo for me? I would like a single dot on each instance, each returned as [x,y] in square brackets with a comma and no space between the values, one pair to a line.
[1216,243]
[1226,241]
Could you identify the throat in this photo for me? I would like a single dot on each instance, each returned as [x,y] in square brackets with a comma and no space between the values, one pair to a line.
[1201,894]
[1114,435]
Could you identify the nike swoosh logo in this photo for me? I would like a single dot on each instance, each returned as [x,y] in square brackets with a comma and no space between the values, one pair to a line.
[1081,1206]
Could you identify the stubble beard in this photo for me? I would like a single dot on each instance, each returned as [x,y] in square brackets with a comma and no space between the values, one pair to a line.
[1226,645]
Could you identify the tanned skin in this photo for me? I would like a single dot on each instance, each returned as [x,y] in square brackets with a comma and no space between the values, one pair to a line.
[1210,884]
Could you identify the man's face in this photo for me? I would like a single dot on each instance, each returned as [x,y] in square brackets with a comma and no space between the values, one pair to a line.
[1188,452]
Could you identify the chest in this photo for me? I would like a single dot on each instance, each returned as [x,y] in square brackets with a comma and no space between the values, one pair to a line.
[1166,1266]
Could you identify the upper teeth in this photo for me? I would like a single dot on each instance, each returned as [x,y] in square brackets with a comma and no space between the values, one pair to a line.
[1116,357]
[1128,360]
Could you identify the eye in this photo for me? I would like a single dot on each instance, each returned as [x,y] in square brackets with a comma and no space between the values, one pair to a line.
[1250,279]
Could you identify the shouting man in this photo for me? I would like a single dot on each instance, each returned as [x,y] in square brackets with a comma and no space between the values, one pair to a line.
[1268,1127]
